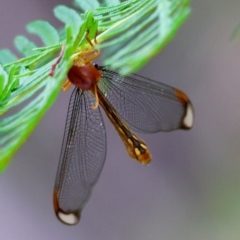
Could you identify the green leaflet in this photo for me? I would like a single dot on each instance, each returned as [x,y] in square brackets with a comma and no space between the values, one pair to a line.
[9,83]
[87,5]
[3,80]
[45,31]
[6,56]
[112,2]
[24,45]
[69,17]
[130,33]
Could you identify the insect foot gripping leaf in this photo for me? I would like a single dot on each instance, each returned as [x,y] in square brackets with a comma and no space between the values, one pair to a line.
[145,105]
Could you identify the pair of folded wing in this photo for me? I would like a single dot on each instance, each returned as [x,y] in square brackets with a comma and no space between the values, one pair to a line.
[145,105]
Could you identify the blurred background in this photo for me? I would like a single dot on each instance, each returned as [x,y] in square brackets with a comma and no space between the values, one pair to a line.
[191,190]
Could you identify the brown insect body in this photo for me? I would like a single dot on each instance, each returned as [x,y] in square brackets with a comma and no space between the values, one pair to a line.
[84,77]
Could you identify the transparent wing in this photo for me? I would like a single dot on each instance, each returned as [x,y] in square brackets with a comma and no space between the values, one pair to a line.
[82,157]
[146,105]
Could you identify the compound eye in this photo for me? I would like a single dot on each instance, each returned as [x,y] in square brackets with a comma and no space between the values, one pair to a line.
[95,65]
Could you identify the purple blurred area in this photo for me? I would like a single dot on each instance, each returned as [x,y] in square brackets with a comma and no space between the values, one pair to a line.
[191,190]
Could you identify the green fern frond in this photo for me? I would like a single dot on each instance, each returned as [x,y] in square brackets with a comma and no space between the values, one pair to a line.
[29,78]
[130,32]
[135,31]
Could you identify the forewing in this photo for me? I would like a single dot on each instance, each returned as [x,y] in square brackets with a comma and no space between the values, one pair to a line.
[82,157]
[146,105]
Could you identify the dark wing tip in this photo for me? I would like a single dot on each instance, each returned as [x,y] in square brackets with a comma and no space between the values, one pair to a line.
[68,218]
[188,117]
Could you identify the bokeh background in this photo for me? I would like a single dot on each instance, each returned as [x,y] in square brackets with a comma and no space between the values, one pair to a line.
[190,191]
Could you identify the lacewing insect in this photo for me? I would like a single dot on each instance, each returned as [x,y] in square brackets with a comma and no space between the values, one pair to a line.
[130,102]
